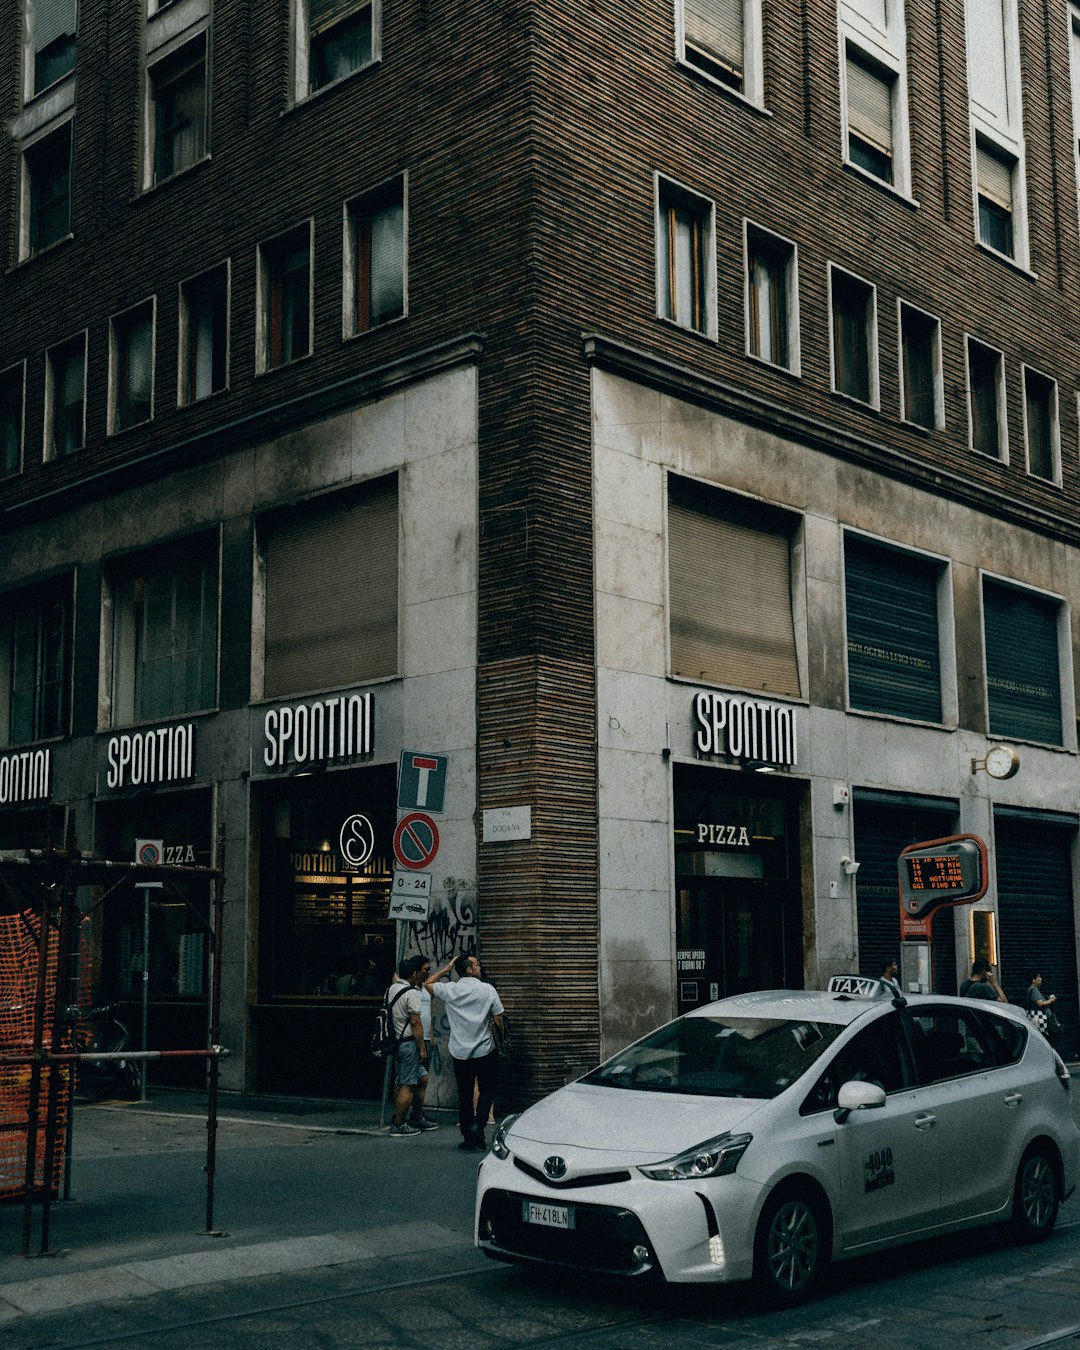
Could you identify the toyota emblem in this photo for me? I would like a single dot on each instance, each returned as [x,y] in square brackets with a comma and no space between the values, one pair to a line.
[555,1168]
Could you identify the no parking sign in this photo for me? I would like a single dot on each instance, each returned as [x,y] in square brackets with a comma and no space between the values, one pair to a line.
[416,840]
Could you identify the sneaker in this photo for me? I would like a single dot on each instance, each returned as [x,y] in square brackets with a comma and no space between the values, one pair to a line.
[423,1123]
[400,1131]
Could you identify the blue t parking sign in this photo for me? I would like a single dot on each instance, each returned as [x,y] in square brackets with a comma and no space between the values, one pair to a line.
[421,781]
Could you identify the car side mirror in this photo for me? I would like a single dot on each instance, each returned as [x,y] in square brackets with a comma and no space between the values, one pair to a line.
[857,1096]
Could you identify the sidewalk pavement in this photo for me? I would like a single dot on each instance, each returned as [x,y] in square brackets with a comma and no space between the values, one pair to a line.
[299,1184]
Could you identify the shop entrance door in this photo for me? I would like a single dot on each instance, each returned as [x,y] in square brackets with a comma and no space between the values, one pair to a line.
[731,939]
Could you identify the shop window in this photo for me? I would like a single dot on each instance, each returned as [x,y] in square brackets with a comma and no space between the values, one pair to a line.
[772,299]
[921,379]
[12,401]
[330,575]
[47,190]
[730,591]
[893,659]
[178,110]
[375,254]
[285,299]
[65,398]
[986,400]
[684,253]
[52,29]
[334,38]
[722,39]
[164,639]
[1023,674]
[132,367]
[854,337]
[35,659]
[204,335]
[1041,425]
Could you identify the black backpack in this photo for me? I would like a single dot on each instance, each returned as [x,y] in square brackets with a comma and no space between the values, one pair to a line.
[384,1043]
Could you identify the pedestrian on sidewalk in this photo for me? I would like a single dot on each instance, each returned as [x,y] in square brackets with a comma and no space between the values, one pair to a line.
[983,982]
[411,1059]
[471,1005]
[1039,1008]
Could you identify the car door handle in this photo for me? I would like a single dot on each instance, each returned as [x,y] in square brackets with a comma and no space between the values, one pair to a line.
[926,1121]
[1014,1098]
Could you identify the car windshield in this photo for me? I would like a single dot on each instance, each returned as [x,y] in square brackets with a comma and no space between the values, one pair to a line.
[719,1057]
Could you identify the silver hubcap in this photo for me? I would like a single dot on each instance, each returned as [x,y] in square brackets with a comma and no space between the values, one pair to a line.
[1037,1192]
[793,1246]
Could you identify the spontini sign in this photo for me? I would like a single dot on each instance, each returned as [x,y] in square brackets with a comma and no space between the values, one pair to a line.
[745,728]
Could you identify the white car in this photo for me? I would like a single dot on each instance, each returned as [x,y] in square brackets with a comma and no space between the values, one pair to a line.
[768,1134]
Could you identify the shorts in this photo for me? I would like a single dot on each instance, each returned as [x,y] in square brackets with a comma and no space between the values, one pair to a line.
[409,1069]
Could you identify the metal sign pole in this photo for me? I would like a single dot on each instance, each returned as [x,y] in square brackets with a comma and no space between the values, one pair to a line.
[145,988]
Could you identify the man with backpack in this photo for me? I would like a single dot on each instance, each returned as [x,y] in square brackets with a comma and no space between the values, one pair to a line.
[404,1001]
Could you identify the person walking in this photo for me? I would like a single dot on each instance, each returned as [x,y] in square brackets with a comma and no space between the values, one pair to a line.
[471,1005]
[1038,1008]
[889,974]
[411,1058]
[982,982]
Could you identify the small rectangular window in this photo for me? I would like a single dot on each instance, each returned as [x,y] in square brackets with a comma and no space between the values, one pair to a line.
[771,291]
[854,346]
[336,37]
[285,276]
[132,355]
[920,356]
[52,40]
[986,399]
[1041,425]
[178,120]
[683,256]
[12,401]
[35,663]
[375,242]
[48,190]
[714,38]
[995,170]
[65,401]
[204,335]
[870,114]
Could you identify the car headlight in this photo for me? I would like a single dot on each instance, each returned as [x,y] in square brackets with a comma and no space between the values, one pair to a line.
[498,1144]
[714,1158]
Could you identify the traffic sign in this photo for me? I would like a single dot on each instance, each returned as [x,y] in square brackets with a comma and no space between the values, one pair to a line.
[410,896]
[149,853]
[422,781]
[416,840]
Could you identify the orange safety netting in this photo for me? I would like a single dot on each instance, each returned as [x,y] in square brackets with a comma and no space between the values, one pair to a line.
[19,965]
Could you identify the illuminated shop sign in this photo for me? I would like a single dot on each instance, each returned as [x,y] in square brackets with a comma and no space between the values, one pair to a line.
[162,755]
[24,776]
[319,732]
[744,728]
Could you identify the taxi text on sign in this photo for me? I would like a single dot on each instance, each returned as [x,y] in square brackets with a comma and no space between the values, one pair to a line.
[421,781]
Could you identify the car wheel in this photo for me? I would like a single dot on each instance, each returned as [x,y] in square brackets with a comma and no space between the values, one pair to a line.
[1036,1196]
[792,1251]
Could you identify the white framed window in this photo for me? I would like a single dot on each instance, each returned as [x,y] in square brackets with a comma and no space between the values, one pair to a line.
[772,298]
[997,131]
[922,390]
[65,397]
[12,418]
[1041,430]
[46,191]
[203,367]
[723,39]
[375,255]
[177,120]
[873,64]
[334,38]
[131,367]
[51,28]
[987,423]
[685,258]
[284,309]
[853,322]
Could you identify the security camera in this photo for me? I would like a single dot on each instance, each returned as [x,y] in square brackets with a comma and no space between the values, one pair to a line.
[849,865]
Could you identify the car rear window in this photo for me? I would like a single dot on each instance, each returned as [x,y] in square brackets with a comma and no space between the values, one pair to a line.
[719,1057]
[1005,1037]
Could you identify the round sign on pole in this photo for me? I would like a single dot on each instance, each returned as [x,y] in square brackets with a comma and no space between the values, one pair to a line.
[416,840]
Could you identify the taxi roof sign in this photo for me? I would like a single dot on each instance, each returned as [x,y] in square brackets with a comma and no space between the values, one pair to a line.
[860,986]
[937,872]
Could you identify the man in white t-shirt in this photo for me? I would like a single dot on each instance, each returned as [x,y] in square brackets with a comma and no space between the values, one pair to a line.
[471,1004]
[406,1015]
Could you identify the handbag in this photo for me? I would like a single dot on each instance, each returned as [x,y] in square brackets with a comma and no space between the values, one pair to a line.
[500,1037]
[1039,1018]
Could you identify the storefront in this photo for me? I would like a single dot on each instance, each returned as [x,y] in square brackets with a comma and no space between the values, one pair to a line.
[737,884]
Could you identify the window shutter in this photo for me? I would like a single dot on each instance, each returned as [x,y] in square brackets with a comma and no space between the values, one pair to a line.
[387,263]
[995,178]
[716,28]
[322,13]
[332,594]
[730,596]
[869,103]
[52,19]
[1023,679]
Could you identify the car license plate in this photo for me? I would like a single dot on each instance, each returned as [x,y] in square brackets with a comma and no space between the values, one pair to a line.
[551,1216]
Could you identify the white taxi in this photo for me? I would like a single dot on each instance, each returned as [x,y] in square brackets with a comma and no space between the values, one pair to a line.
[771,1133]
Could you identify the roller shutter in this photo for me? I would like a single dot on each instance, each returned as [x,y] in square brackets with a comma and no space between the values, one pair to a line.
[1023,679]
